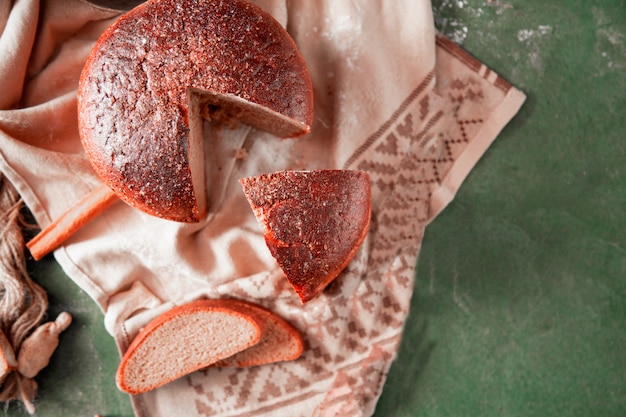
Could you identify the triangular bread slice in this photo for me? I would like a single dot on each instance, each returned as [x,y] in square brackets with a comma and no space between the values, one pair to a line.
[280,341]
[185,339]
[314,222]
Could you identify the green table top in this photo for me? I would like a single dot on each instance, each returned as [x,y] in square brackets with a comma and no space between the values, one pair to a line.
[520,297]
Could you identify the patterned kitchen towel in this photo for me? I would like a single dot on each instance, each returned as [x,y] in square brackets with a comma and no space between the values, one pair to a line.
[392,97]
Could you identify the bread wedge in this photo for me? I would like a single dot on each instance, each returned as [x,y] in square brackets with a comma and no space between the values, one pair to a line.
[313,222]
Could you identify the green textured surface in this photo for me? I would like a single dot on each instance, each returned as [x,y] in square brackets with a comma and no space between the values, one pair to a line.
[520,298]
[80,379]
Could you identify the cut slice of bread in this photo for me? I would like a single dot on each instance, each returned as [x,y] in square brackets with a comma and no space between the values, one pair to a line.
[280,341]
[185,339]
[314,222]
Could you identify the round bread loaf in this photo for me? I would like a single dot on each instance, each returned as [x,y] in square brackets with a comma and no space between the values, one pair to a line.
[314,222]
[162,66]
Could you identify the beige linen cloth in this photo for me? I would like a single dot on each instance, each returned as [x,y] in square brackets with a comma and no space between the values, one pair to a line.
[392,97]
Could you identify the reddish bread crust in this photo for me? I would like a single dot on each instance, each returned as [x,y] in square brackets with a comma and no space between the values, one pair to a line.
[314,222]
[280,341]
[134,115]
[185,339]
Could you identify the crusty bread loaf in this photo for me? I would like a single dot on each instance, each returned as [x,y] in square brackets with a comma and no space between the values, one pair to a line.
[314,222]
[185,339]
[280,341]
[160,67]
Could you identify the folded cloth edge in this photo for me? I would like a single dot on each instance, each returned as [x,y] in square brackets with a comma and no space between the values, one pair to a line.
[498,119]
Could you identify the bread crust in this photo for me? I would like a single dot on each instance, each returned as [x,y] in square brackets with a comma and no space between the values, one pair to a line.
[133,97]
[280,341]
[314,222]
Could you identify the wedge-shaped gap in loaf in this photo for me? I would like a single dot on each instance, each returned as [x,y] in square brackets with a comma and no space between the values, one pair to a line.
[230,108]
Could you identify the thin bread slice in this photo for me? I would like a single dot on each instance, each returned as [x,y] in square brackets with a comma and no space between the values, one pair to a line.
[280,341]
[313,222]
[185,339]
